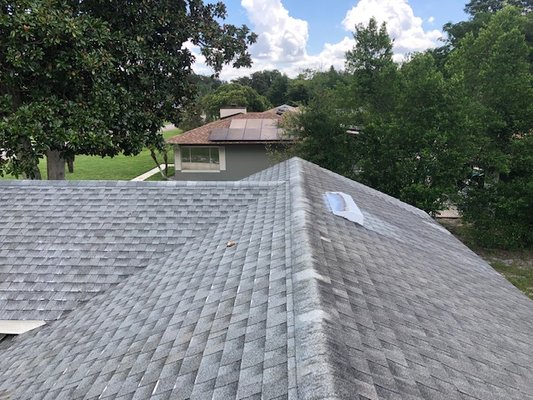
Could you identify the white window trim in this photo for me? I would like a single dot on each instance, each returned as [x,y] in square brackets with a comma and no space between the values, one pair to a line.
[221,160]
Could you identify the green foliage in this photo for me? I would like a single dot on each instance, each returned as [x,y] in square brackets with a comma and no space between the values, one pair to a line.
[192,115]
[493,71]
[520,276]
[277,93]
[271,84]
[100,77]
[233,94]
[119,167]
[205,84]
[458,31]
[280,89]
[260,81]
[417,151]
[298,92]
[374,72]
[55,66]
[323,139]
[502,213]
[373,50]
[475,7]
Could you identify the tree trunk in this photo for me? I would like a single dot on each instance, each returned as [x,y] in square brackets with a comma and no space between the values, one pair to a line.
[55,165]
[70,163]
[154,157]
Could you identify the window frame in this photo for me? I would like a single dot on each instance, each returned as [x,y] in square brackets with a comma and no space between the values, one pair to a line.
[179,150]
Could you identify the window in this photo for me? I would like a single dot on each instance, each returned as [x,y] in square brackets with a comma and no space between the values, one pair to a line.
[202,159]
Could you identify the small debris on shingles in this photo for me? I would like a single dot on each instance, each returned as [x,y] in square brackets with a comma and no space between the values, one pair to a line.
[231,243]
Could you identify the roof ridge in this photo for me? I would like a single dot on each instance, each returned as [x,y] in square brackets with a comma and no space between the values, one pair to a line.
[317,363]
[118,183]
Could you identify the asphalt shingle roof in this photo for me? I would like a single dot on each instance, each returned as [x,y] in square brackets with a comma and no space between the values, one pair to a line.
[63,243]
[200,135]
[305,305]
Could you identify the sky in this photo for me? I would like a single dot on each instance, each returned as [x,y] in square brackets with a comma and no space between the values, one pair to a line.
[299,34]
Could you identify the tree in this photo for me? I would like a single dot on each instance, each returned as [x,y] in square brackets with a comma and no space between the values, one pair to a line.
[371,65]
[269,83]
[318,82]
[99,77]
[373,49]
[193,115]
[418,150]
[260,81]
[233,94]
[501,214]
[481,13]
[475,7]
[321,130]
[493,71]
[298,92]
[277,93]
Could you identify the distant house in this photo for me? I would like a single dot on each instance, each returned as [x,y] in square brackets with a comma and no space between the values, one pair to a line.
[231,148]
[295,283]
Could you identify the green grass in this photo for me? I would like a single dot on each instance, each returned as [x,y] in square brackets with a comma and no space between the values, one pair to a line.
[515,265]
[109,168]
[158,177]
[519,275]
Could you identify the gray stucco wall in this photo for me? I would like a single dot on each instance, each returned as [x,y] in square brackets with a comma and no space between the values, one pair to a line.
[242,160]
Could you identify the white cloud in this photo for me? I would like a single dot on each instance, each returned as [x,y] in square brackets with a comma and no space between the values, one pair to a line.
[282,42]
[431,20]
[282,38]
[403,26]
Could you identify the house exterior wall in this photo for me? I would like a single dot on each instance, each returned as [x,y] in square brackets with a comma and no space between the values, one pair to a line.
[241,161]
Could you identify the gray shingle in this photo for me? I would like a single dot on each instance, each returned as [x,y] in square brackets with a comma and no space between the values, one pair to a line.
[307,305]
[64,243]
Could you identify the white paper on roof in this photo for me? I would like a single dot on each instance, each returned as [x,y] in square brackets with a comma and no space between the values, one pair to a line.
[344,206]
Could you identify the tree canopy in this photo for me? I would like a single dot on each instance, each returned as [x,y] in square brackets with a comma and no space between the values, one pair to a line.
[475,7]
[233,94]
[448,126]
[100,77]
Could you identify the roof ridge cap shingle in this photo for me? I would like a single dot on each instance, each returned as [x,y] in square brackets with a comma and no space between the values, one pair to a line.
[316,364]
[119,183]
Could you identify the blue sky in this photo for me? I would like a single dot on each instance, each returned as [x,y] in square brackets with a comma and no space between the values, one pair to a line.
[299,34]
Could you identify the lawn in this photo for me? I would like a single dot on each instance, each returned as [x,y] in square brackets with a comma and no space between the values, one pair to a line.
[158,177]
[518,273]
[515,265]
[110,168]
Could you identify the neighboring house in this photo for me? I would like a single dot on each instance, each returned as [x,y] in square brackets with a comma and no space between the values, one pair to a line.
[231,148]
[257,289]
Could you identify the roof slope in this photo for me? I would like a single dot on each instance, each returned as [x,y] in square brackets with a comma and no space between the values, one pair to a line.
[200,135]
[63,243]
[306,305]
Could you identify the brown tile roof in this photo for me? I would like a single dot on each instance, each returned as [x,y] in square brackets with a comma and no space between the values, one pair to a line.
[200,135]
